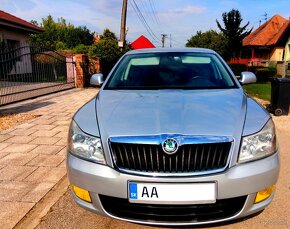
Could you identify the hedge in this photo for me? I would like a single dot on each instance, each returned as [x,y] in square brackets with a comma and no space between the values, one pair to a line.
[263,74]
[238,68]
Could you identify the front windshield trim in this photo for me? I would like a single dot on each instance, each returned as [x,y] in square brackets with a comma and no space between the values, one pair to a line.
[170,88]
[125,60]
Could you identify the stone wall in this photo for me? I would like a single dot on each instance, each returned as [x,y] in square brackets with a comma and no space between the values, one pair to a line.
[85,66]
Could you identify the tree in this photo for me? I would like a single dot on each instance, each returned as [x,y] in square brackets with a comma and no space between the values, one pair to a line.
[233,30]
[61,35]
[107,51]
[210,39]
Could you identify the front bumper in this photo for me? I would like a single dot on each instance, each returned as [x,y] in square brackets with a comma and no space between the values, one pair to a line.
[241,180]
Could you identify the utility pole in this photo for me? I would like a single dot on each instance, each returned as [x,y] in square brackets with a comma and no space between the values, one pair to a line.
[163,39]
[170,41]
[123,24]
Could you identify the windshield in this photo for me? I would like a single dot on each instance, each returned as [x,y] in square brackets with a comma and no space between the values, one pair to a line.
[170,71]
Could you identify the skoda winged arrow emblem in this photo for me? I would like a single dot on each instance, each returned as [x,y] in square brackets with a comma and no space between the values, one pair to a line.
[170,146]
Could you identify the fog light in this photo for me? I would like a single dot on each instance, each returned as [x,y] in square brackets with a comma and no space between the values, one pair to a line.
[82,193]
[264,194]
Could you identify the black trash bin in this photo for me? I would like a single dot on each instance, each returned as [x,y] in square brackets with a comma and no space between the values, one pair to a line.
[280,96]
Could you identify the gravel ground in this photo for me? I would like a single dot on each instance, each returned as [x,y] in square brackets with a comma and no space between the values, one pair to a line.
[9,120]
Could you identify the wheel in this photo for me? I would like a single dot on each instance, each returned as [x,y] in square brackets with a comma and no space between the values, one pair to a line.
[278,112]
[270,108]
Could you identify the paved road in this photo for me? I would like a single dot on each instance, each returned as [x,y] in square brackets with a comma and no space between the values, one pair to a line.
[66,214]
[32,154]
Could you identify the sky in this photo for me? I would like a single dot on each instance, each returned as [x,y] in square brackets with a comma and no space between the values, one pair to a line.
[180,18]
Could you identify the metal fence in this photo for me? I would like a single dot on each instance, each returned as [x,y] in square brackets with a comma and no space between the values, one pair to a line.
[28,71]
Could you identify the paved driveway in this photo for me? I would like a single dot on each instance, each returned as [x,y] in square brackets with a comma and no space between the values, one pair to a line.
[66,214]
[32,171]
[32,155]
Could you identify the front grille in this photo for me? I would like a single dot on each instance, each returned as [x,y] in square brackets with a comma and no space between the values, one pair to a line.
[172,213]
[188,158]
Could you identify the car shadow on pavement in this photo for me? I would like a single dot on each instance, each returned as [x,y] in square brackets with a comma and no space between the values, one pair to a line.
[24,107]
[228,223]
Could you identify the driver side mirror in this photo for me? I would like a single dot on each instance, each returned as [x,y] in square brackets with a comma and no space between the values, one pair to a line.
[97,79]
[247,78]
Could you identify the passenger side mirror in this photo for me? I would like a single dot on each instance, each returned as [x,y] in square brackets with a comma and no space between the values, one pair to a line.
[97,79]
[247,78]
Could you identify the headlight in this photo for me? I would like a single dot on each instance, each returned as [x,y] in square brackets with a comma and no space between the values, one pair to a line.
[259,145]
[85,146]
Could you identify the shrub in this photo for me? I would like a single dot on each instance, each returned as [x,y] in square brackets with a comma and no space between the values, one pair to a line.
[81,49]
[238,68]
[60,45]
[263,74]
[272,65]
[107,51]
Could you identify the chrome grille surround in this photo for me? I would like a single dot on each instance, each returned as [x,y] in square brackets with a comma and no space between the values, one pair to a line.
[143,155]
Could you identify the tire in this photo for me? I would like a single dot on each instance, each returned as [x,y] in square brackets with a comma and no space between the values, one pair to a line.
[278,112]
[269,108]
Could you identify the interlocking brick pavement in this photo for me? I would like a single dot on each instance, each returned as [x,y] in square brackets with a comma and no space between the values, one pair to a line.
[32,154]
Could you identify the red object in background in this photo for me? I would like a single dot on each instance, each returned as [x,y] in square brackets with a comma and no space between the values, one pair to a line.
[141,43]
[239,61]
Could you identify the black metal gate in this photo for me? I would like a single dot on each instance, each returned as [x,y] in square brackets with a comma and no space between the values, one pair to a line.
[28,71]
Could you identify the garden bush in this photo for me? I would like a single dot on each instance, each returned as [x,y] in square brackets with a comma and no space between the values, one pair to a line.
[263,74]
[238,68]
[81,49]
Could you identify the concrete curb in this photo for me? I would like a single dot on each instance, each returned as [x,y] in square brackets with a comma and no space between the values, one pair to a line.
[35,215]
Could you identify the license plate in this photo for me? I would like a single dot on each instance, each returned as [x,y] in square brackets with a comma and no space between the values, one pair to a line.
[177,193]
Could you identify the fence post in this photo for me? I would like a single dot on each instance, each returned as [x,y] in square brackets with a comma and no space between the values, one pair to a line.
[80,74]
[84,67]
[70,69]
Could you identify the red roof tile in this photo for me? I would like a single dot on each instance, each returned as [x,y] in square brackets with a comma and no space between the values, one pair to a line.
[268,33]
[141,43]
[13,21]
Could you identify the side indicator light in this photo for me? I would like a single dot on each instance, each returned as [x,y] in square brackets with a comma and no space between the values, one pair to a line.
[82,193]
[264,194]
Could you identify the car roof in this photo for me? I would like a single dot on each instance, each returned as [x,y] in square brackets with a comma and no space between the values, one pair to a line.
[171,50]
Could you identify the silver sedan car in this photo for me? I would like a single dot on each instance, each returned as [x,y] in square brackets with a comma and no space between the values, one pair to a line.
[172,139]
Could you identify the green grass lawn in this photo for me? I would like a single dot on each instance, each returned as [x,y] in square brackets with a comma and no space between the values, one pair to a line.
[260,90]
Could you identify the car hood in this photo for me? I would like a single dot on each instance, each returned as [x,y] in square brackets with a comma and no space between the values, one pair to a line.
[187,112]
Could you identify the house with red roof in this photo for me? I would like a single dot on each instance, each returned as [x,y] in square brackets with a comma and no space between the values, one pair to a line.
[268,43]
[14,30]
[141,43]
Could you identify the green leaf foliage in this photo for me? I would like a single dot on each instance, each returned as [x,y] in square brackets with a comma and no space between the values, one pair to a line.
[234,31]
[107,51]
[61,35]
[211,40]
[81,49]
[238,68]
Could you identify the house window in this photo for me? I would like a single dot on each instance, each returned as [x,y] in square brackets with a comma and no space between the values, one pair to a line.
[12,43]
